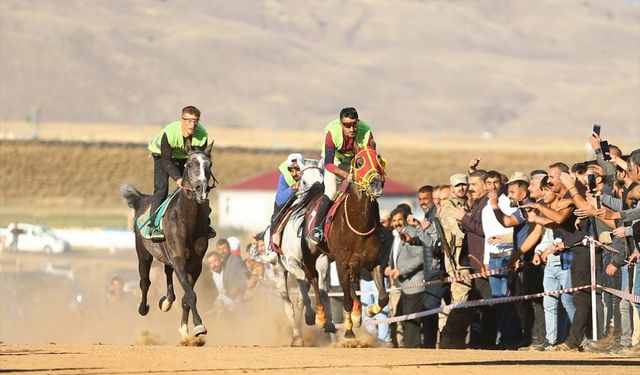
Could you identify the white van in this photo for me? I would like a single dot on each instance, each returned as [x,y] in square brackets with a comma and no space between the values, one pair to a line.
[33,237]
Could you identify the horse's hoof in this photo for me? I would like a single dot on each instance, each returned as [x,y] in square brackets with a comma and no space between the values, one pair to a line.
[165,304]
[184,331]
[297,342]
[310,319]
[373,310]
[349,335]
[329,327]
[143,309]
[199,330]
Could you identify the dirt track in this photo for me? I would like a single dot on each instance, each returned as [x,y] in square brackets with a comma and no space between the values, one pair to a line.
[108,359]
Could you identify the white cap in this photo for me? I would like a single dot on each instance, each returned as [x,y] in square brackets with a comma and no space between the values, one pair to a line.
[234,243]
[295,159]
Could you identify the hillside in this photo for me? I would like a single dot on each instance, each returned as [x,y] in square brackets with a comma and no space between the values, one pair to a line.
[511,68]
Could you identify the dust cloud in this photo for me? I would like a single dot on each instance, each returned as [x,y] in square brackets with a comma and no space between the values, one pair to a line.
[64,299]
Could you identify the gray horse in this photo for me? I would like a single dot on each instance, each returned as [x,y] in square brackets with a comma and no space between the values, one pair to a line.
[185,227]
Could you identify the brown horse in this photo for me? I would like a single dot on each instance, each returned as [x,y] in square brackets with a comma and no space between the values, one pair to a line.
[185,228]
[353,241]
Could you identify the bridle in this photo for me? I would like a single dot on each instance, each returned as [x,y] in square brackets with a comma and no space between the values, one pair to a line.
[367,157]
[212,178]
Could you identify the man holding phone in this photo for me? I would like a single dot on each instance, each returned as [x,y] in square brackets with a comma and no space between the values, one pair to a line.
[603,151]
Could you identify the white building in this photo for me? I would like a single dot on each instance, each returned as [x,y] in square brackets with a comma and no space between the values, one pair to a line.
[248,204]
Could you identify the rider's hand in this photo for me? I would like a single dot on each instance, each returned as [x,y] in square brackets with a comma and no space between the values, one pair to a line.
[179,182]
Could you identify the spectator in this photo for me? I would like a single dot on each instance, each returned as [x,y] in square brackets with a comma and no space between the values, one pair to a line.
[557,273]
[405,268]
[235,271]
[571,232]
[456,260]
[498,249]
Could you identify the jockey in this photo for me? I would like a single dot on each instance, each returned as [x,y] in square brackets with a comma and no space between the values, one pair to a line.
[341,136]
[288,182]
[169,150]
[287,187]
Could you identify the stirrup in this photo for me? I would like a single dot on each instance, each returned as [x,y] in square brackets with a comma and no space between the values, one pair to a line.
[315,236]
[156,235]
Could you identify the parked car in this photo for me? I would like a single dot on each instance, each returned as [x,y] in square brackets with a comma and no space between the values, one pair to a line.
[32,237]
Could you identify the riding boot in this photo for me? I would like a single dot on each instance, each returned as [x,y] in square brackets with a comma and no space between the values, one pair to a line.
[323,208]
[155,233]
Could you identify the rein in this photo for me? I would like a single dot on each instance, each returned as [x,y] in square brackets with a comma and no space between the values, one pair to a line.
[346,216]
[365,184]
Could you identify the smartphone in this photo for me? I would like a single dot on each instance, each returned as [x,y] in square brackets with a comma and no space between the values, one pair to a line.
[591,179]
[604,147]
[596,129]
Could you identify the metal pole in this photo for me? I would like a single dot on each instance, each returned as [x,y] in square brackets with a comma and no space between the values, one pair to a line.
[594,318]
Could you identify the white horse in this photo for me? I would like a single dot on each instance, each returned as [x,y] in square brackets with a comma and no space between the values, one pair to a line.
[291,261]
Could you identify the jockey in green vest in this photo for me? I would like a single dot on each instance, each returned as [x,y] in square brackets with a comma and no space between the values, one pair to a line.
[169,150]
[290,173]
[341,136]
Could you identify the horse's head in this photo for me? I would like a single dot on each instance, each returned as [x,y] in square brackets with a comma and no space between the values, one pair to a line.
[310,174]
[197,173]
[368,169]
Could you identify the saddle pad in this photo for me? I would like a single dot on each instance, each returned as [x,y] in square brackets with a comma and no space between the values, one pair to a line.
[276,237]
[332,212]
[143,222]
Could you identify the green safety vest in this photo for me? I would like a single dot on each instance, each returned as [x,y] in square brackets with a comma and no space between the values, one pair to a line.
[285,172]
[335,128]
[176,140]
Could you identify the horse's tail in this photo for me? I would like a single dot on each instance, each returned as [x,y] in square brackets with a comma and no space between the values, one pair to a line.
[131,195]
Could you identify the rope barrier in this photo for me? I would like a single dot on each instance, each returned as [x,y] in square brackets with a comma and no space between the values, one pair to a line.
[499,300]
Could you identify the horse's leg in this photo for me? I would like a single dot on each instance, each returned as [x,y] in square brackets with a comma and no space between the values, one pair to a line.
[383,297]
[347,302]
[295,267]
[193,273]
[322,296]
[309,312]
[283,289]
[188,300]
[144,266]
[356,313]
[167,301]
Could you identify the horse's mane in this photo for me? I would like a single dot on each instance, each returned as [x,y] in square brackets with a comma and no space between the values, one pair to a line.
[315,190]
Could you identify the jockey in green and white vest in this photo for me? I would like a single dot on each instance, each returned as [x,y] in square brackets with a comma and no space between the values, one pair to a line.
[169,149]
[341,136]
[288,180]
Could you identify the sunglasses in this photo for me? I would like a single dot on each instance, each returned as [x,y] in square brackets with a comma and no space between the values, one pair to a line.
[349,124]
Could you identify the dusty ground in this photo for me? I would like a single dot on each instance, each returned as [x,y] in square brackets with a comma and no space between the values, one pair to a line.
[111,359]
[42,332]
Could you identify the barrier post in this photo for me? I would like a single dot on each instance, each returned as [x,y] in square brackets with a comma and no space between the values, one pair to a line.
[594,317]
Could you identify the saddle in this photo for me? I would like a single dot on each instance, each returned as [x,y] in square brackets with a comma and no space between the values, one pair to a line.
[143,221]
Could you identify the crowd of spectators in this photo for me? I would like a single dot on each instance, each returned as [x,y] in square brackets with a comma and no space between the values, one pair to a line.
[529,228]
